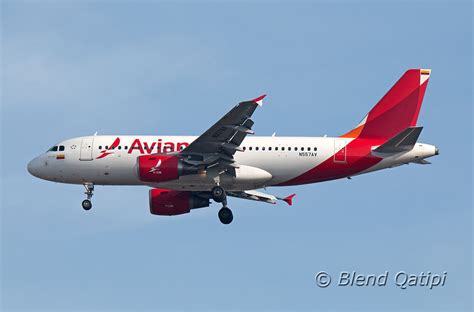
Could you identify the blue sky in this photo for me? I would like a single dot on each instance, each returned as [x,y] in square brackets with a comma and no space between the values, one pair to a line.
[70,69]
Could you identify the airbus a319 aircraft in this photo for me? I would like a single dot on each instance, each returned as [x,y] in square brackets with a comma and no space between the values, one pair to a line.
[186,172]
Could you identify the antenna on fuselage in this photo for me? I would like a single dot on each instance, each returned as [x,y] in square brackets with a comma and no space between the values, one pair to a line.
[95,134]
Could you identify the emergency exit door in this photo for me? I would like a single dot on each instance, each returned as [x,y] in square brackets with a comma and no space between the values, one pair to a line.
[340,150]
[86,148]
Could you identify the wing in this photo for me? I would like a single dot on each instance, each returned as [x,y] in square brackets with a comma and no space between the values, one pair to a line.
[259,196]
[216,147]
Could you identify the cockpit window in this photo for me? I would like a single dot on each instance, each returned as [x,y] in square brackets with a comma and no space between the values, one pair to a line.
[61,148]
[53,149]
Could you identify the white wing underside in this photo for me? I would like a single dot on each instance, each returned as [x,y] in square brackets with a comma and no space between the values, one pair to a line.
[261,197]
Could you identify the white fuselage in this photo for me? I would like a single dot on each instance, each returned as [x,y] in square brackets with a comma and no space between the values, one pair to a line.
[265,161]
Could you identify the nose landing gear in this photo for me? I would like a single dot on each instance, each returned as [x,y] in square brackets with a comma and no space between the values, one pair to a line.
[86,203]
[225,214]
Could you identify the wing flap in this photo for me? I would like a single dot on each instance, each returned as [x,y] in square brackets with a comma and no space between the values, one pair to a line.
[254,195]
[262,197]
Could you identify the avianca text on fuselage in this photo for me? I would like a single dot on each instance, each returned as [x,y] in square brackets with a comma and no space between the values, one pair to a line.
[185,172]
[144,147]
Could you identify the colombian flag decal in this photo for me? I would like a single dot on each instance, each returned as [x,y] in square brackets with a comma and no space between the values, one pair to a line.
[60,156]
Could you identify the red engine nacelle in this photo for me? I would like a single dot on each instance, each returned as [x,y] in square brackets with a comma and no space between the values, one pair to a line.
[170,203]
[161,168]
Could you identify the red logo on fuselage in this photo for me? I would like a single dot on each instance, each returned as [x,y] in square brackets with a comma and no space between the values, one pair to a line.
[145,147]
[161,147]
[107,151]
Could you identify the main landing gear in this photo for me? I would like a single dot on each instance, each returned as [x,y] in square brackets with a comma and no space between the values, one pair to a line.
[86,203]
[225,214]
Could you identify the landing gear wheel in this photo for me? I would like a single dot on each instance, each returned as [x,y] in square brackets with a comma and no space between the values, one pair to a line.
[218,194]
[86,204]
[225,215]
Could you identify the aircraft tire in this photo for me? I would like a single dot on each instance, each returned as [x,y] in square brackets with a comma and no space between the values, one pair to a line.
[218,194]
[86,204]
[225,215]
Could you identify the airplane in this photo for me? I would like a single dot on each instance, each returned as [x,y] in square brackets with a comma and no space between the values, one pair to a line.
[187,172]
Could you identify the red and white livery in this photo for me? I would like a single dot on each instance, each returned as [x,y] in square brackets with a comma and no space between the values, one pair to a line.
[186,172]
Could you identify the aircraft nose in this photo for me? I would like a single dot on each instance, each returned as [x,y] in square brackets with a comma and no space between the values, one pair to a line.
[34,167]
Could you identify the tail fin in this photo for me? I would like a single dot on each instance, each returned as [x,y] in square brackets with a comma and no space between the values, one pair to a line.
[397,110]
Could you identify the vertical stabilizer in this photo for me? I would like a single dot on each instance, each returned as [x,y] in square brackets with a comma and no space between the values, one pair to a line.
[397,110]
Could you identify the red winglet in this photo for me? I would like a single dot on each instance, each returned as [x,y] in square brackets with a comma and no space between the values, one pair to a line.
[259,100]
[289,199]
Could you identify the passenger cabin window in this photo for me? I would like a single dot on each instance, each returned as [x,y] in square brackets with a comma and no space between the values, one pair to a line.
[263,148]
[120,147]
[256,148]
[250,148]
[270,148]
[315,149]
[282,148]
[276,148]
[289,148]
[100,147]
[243,148]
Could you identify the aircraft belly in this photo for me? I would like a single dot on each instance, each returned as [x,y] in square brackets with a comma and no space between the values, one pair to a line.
[247,177]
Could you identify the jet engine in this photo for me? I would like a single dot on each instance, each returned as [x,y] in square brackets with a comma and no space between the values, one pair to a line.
[161,168]
[170,203]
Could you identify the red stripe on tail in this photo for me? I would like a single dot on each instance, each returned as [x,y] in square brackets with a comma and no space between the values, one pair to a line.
[397,110]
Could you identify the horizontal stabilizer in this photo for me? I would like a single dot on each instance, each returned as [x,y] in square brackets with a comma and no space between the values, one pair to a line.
[404,141]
